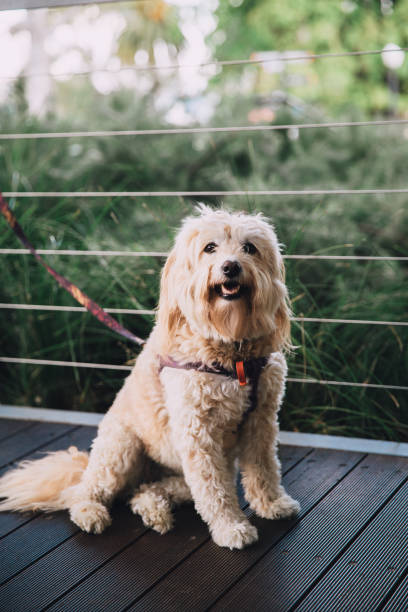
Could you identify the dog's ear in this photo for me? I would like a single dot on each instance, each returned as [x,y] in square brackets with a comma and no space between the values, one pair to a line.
[169,314]
[283,314]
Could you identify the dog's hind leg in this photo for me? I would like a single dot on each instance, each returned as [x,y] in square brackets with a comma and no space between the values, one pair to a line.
[154,501]
[116,455]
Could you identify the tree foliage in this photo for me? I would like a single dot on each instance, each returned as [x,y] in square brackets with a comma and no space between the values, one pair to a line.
[318,27]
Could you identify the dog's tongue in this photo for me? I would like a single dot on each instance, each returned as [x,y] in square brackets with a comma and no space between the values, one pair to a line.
[230,288]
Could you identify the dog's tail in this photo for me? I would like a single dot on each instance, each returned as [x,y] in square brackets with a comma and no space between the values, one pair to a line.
[43,484]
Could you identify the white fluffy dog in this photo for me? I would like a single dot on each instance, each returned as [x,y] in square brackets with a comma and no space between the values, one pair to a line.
[205,390]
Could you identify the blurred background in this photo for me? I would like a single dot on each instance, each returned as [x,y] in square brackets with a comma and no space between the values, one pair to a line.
[112,67]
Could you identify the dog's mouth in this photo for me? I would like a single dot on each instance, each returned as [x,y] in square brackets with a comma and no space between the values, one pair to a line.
[230,290]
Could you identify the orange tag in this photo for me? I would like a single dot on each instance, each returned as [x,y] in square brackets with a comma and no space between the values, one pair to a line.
[239,365]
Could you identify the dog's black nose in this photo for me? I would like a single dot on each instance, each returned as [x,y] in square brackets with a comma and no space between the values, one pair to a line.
[231,268]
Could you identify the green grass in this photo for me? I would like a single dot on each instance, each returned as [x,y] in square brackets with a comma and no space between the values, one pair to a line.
[373,225]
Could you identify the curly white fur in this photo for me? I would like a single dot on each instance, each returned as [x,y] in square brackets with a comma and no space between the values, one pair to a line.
[184,421]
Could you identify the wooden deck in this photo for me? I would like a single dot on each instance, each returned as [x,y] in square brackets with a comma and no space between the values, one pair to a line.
[347,551]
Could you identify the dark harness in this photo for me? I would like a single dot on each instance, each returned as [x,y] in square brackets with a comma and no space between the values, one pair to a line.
[245,371]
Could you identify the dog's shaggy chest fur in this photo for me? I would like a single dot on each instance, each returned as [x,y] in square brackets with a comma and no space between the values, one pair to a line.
[172,435]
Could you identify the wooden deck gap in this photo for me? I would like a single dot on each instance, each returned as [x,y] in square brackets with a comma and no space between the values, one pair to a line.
[28,520]
[394,589]
[309,452]
[347,546]
[7,436]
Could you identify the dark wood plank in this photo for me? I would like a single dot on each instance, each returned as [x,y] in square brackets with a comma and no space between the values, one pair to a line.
[398,600]
[150,553]
[280,579]
[41,583]
[8,427]
[153,556]
[291,455]
[370,566]
[80,437]
[31,439]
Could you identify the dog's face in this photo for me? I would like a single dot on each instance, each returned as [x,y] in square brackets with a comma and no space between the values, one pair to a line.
[225,278]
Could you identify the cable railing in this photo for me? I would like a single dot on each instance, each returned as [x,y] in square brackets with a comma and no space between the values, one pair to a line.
[73,252]
[110,366]
[108,253]
[45,307]
[201,130]
[132,311]
[217,193]
[281,57]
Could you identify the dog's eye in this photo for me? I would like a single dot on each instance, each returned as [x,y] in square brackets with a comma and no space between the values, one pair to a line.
[210,247]
[250,248]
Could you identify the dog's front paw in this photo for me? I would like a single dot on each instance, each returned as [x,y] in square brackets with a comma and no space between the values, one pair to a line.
[234,535]
[154,510]
[282,507]
[90,516]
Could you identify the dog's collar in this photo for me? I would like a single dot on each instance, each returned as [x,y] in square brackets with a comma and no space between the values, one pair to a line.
[245,371]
